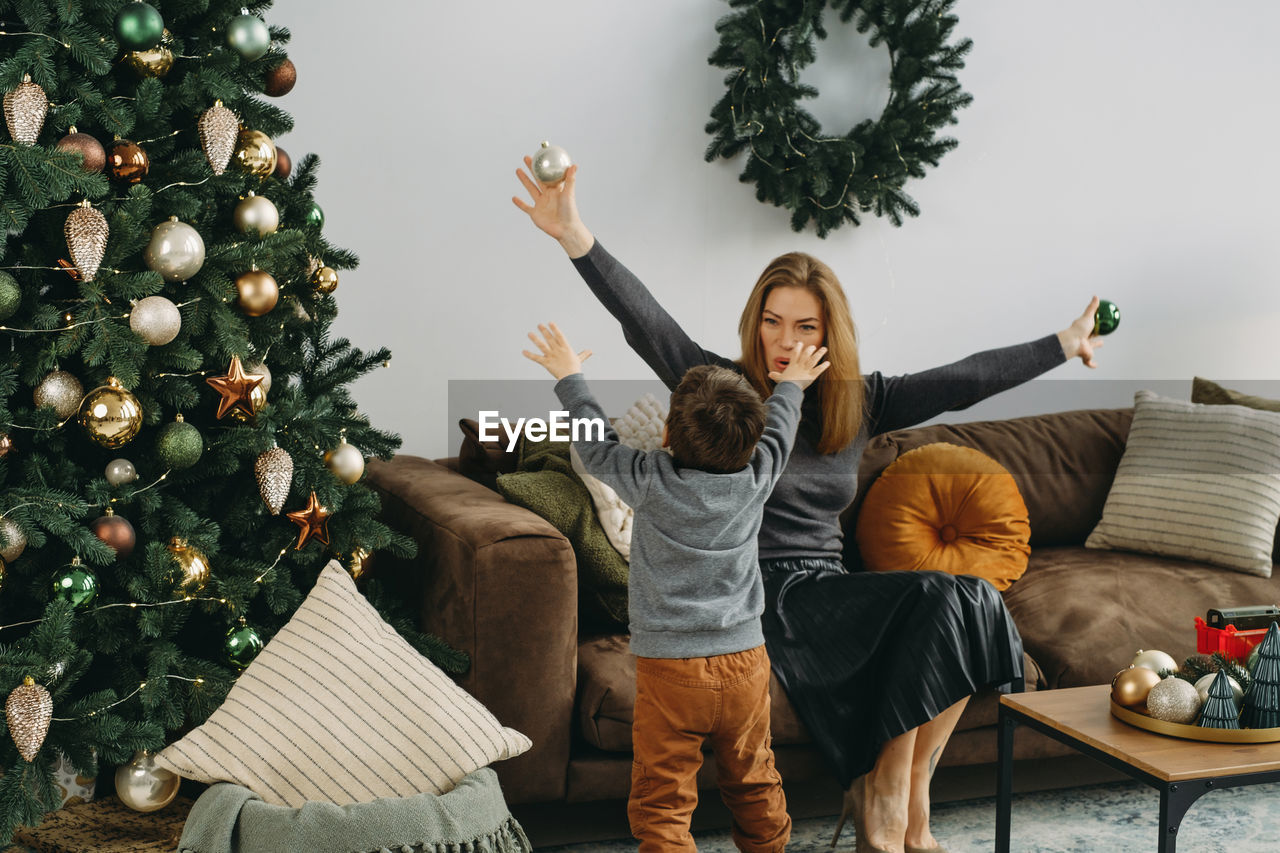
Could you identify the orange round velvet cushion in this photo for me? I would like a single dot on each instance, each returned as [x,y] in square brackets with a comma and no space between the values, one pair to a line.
[946,508]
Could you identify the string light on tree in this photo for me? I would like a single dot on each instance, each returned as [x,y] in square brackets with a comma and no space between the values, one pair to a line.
[25,109]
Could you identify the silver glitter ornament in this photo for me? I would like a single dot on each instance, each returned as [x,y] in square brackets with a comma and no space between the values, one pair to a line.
[274,470]
[144,787]
[29,710]
[176,250]
[24,111]
[218,128]
[256,215]
[60,390]
[1204,682]
[86,232]
[120,471]
[16,539]
[550,163]
[156,320]
[1174,701]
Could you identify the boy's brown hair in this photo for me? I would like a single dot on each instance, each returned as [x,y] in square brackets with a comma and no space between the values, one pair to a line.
[716,418]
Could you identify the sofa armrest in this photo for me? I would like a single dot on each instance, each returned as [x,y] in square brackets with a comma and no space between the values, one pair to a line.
[500,583]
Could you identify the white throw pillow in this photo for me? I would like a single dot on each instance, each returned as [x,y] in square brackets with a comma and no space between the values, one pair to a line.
[1197,482]
[641,427]
[339,708]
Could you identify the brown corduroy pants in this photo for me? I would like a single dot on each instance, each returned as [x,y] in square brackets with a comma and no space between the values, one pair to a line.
[680,704]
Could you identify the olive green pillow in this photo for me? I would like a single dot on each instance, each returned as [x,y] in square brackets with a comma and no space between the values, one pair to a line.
[1204,391]
[545,482]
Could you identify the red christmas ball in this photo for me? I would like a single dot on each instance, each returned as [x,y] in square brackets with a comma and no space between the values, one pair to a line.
[87,147]
[279,80]
[284,166]
[116,532]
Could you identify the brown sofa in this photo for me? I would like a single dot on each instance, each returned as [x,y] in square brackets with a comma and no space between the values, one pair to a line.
[499,582]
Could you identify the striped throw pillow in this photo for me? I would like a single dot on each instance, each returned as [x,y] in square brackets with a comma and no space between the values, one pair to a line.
[1196,482]
[338,708]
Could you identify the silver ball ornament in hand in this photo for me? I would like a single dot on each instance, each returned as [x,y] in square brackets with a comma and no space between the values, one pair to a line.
[550,163]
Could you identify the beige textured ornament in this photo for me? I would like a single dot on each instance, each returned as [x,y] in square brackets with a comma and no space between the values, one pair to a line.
[218,127]
[86,231]
[24,111]
[29,709]
[274,470]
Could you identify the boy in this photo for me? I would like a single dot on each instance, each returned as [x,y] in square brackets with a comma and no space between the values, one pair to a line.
[695,589]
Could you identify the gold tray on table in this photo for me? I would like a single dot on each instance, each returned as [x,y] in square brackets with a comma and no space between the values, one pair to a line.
[1151,724]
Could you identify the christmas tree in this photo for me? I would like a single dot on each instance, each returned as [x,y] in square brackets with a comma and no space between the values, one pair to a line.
[179,454]
[1262,702]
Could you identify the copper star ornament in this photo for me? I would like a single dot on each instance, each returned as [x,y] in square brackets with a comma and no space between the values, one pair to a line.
[312,521]
[236,389]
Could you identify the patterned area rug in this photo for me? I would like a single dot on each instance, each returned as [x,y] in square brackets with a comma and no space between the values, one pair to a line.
[1119,817]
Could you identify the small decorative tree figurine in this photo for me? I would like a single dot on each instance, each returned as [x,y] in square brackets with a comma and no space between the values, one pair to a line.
[1262,702]
[1219,710]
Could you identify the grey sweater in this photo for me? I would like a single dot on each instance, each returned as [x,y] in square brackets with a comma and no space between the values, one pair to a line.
[695,588]
[802,515]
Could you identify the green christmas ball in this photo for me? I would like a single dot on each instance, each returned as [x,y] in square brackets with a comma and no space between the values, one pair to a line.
[139,26]
[10,295]
[248,36]
[315,216]
[179,445]
[242,645]
[77,585]
[1106,318]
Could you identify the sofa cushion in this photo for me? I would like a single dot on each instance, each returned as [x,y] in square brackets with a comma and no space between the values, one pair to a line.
[1063,463]
[945,508]
[1084,613]
[1197,482]
[1213,394]
[607,698]
[482,460]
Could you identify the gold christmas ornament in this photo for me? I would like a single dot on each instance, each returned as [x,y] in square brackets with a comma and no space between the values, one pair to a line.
[6,443]
[346,462]
[274,471]
[195,565]
[1131,686]
[86,231]
[312,522]
[359,563]
[62,391]
[15,540]
[325,280]
[236,389]
[144,787]
[24,111]
[218,127]
[255,153]
[256,215]
[111,414]
[153,62]
[29,709]
[1154,660]
[258,292]
[259,368]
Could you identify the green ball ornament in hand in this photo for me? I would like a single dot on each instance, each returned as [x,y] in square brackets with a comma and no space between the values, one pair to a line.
[248,36]
[1106,318]
[242,645]
[179,445]
[139,26]
[76,584]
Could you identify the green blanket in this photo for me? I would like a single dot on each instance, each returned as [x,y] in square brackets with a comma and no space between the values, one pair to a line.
[473,816]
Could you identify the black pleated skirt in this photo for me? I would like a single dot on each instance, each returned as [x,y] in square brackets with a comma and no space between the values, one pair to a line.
[867,656]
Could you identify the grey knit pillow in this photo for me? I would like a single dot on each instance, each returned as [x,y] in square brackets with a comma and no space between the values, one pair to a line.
[1196,482]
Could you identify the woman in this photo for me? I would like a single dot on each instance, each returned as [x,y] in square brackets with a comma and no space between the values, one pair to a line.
[878,665]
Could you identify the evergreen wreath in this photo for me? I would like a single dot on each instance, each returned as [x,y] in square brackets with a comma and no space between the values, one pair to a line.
[830,178]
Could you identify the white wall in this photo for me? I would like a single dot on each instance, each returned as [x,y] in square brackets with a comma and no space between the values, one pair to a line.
[1123,147]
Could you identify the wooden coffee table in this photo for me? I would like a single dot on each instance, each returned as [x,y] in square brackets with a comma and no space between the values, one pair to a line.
[1181,770]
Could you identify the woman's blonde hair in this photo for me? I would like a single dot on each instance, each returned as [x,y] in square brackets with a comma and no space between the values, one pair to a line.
[840,390]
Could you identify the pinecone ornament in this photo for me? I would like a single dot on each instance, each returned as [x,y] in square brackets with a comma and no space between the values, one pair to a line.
[274,470]
[218,128]
[86,231]
[24,111]
[29,709]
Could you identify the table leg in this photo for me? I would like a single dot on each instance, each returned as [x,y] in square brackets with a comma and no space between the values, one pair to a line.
[1176,799]
[1004,785]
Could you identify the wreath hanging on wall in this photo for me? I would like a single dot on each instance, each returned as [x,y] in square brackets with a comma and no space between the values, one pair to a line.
[829,179]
